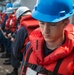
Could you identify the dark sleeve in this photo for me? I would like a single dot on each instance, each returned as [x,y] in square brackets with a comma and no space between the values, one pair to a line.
[3,24]
[27,46]
[14,34]
[19,41]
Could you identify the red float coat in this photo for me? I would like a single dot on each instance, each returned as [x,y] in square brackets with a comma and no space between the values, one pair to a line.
[65,51]
[30,24]
[1,19]
[11,23]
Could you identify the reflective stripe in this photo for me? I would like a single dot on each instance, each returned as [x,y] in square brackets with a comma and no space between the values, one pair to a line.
[10,22]
[31,72]
[40,74]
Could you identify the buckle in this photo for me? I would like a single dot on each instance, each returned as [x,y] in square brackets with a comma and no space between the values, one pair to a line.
[36,68]
[39,69]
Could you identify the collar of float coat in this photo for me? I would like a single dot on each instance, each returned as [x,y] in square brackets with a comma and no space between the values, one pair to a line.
[29,23]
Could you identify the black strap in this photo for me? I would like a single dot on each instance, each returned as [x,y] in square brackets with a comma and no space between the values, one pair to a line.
[36,68]
[28,55]
[73,73]
[39,68]
[57,66]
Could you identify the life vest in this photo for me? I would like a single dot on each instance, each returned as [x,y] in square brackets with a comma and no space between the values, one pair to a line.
[70,29]
[11,23]
[59,62]
[30,24]
[1,19]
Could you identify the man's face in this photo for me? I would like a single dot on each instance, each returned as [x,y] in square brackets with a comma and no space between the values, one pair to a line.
[52,31]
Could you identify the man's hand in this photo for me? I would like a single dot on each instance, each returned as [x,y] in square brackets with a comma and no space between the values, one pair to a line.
[12,39]
[9,35]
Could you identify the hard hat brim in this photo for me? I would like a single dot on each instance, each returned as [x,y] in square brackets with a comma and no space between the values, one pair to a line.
[49,18]
[15,8]
[8,12]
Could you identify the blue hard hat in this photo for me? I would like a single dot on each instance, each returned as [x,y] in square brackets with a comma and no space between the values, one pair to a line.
[8,5]
[16,5]
[52,10]
[9,10]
